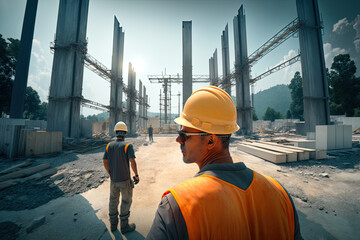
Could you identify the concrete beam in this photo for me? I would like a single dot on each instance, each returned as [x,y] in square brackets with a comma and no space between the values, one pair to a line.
[268,155]
[187,59]
[291,155]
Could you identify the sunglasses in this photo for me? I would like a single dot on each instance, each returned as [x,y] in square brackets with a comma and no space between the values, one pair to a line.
[186,135]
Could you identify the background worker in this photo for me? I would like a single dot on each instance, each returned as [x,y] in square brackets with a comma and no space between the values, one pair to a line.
[150,131]
[224,200]
[116,160]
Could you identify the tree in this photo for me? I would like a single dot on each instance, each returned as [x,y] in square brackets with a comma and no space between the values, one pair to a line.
[288,114]
[33,108]
[255,117]
[8,55]
[344,87]
[271,114]
[297,104]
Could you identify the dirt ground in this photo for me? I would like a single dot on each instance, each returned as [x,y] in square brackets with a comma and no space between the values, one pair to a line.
[325,192]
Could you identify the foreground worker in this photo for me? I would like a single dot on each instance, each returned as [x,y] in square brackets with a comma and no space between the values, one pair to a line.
[116,160]
[224,200]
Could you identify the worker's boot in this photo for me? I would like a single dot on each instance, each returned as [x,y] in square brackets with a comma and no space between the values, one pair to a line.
[114,221]
[126,227]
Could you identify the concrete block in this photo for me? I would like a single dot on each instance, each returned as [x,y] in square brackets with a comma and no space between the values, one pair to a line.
[304,143]
[268,155]
[347,136]
[325,137]
[339,136]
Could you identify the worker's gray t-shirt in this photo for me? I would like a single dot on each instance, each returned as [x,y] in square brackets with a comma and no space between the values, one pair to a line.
[118,160]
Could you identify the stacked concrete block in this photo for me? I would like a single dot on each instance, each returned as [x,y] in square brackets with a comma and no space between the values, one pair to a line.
[325,137]
[330,137]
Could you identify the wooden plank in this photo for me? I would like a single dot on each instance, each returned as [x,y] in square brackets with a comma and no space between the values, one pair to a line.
[16,167]
[24,172]
[301,154]
[291,156]
[268,155]
[36,176]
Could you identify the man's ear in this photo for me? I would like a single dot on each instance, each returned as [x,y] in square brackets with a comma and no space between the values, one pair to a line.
[212,142]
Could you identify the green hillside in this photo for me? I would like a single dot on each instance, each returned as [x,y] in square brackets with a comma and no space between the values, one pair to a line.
[277,97]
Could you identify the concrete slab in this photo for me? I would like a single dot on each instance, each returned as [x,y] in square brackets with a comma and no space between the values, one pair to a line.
[339,136]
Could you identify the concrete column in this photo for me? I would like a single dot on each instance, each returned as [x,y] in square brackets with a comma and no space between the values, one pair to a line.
[144,109]
[68,67]
[187,59]
[226,60]
[131,108]
[116,85]
[23,61]
[315,84]
[243,103]
[215,64]
[140,122]
[213,69]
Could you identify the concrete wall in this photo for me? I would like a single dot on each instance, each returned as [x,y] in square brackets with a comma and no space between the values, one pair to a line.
[86,128]
[353,121]
[41,142]
[100,127]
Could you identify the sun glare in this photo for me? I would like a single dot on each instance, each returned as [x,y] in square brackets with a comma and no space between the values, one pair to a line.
[138,64]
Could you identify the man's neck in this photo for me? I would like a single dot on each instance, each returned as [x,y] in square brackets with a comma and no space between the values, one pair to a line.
[216,158]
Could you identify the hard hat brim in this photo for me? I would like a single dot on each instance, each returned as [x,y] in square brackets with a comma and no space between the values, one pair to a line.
[216,130]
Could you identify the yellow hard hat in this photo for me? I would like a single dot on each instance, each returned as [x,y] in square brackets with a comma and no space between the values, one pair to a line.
[209,109]
[120,126]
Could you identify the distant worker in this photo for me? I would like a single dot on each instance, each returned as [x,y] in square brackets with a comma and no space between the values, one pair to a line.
[116,160]
[225,200]
[150,131]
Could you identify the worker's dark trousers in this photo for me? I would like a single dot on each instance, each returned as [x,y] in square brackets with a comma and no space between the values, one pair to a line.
[126,190]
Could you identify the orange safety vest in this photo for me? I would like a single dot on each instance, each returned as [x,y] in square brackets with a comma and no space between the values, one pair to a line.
[215,209]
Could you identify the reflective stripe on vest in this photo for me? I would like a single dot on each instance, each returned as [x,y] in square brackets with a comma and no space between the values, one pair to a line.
[126,147]
[215,209]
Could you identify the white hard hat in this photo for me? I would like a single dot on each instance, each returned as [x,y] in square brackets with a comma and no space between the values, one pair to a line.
[120,126]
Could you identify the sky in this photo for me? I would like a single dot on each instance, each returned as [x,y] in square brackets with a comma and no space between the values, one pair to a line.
[153,39]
